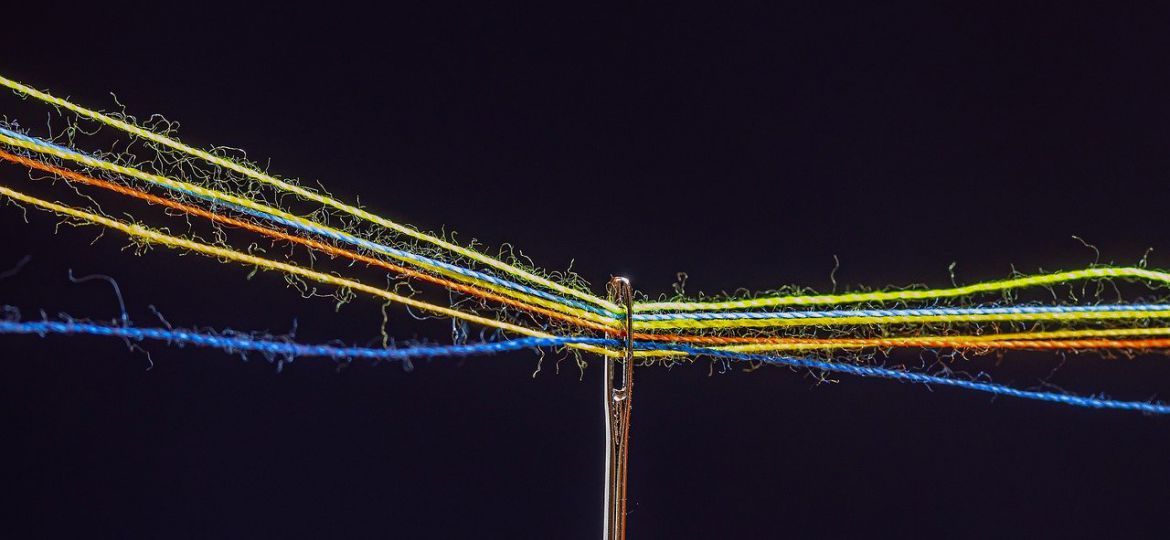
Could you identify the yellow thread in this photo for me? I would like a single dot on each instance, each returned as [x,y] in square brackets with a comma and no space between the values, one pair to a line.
[248,203]
[151,235]
[898,319]
[305,193]
[989,339]
[888,296]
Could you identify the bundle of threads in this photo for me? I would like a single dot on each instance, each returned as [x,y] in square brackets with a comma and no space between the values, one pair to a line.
[214,201]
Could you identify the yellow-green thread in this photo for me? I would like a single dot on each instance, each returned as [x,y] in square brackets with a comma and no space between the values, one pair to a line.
[306,194]
[925,294]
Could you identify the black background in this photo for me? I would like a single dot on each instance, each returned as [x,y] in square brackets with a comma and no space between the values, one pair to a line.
[746,149]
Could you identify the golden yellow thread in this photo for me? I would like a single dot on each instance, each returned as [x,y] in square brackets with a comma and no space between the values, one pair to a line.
[1071,334]
[916,341]
[305,193]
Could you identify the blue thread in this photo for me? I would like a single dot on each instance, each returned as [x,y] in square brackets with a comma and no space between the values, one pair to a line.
[921,378]
[232,344]
[923,312]
[353,240]
[239,343]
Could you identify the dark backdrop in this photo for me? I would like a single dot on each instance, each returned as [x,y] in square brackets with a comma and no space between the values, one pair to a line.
[746,149]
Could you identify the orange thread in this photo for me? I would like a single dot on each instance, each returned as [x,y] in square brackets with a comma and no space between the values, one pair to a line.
[1156,343]
[942,342]
[71,175]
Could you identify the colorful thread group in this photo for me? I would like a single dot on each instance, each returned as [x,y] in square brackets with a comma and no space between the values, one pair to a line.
[561,315]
